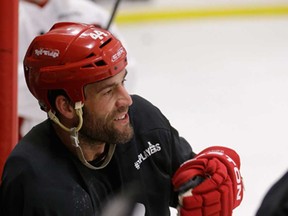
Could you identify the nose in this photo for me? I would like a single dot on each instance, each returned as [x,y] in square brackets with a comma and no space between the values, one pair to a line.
[124,97]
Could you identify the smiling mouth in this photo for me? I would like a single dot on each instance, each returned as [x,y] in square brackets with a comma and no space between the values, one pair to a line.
[121,117]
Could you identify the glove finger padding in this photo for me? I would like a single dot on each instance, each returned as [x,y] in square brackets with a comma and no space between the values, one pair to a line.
[232,162]
[189,170]
[213,196]
[222,189]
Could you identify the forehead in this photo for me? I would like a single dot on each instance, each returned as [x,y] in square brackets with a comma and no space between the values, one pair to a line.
[114,80]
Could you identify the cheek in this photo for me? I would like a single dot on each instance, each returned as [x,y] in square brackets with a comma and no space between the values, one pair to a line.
[102,110]
[100,106]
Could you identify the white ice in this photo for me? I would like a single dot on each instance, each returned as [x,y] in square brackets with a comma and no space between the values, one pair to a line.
[220,82]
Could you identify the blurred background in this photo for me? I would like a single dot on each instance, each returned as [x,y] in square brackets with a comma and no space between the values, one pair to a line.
[218,70]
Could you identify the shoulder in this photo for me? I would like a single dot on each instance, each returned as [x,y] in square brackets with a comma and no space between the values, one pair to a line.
[37,149]
[276,200]
[143,105]
[142,112]
[139,101]
[38,139]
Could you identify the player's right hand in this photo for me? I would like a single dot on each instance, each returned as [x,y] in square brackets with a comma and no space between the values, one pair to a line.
[220,188]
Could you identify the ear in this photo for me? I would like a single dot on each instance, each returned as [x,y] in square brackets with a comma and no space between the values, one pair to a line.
[64,107]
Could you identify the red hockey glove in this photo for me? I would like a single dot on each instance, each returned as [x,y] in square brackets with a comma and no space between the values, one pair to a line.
[210,183]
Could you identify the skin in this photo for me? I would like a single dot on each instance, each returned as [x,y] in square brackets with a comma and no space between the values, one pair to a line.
[105,116]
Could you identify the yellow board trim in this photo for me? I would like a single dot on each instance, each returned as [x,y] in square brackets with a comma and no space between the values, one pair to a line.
[187,14]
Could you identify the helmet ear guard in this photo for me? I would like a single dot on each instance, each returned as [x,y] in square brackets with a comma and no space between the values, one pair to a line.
[70,56]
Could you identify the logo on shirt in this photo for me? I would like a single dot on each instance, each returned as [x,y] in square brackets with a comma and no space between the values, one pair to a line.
[152,149]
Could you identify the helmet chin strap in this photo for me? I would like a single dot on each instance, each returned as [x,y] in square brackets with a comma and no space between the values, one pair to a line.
[75,140]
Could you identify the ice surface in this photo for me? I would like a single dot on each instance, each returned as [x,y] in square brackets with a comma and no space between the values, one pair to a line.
[220,82]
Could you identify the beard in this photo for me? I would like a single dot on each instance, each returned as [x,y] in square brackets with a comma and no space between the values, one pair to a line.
[103,130]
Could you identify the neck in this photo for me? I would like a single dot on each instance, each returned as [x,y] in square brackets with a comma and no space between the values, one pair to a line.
[90,150]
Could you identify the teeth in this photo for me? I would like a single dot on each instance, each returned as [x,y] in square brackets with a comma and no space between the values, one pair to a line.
[120,118]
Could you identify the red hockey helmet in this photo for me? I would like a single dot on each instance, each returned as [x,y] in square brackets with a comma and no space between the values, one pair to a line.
[70,56]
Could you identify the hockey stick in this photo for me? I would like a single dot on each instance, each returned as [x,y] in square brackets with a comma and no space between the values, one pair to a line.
[113,14]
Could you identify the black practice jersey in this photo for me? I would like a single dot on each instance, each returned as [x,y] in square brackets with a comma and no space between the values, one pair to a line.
[41,177]
[275,202]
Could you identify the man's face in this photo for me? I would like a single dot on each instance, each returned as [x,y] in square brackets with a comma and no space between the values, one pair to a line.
[105,111]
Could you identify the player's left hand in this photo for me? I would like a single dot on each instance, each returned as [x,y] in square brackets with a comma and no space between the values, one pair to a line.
[210,183]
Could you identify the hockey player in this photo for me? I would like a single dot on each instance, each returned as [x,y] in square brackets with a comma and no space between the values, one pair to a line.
[35,18]
[99,140]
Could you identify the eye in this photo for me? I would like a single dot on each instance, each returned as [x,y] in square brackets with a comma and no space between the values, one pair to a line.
[108,91]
